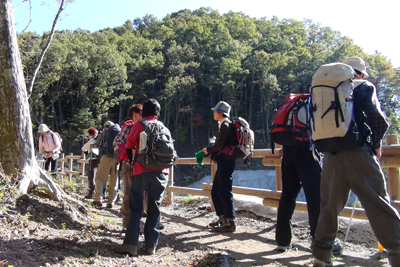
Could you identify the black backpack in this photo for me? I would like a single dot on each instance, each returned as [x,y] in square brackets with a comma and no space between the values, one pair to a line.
[111,133]
[156,150]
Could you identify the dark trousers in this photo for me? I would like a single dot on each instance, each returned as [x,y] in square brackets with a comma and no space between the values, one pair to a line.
[93,164]
[154,185]
[54,164]
[299,169]
[221,192]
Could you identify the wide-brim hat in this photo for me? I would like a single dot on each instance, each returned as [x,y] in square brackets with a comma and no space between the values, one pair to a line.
[108,123]
[357,63]
[43,128]
[222,107]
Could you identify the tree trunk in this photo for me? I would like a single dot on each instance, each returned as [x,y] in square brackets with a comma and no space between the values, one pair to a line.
[17,155]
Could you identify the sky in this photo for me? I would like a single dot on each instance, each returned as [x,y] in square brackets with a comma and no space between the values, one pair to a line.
[372,25]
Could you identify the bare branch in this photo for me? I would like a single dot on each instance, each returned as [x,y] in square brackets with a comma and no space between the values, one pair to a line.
[30,15]
[20,4]
[61,8]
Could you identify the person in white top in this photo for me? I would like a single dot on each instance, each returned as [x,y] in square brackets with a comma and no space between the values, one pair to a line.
[94,160]
[49,147]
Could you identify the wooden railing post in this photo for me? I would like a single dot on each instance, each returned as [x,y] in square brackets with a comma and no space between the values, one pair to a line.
[393,173]
[62,168]
[170,195]
[278,171]
[82,167]
[213,171]
[70,160]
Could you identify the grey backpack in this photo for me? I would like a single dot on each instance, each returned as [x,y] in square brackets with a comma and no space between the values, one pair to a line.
[156,148]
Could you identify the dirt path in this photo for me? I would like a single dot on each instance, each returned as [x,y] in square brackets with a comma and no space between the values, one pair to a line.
[49,237]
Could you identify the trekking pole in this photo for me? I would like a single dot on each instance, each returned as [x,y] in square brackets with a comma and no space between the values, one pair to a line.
[348,226]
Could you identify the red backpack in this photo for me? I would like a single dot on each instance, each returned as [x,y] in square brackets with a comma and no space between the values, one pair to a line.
[291,121]
[245,140]
[120,151]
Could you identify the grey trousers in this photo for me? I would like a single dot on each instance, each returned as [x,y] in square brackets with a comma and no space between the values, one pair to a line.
[357,170]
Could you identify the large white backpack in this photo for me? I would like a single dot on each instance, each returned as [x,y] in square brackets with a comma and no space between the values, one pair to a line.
[331,109]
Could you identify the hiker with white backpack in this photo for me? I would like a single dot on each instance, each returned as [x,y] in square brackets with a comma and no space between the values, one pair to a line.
[349,129]
[49,147]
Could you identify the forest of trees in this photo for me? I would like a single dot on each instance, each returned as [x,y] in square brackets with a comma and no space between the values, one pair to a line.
[188,61]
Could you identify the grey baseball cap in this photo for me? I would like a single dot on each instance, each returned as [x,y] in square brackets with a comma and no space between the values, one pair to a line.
[222,107]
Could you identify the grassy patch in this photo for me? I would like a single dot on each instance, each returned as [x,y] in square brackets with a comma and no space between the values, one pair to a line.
[189,199]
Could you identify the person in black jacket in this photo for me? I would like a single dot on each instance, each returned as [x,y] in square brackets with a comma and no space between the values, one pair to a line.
[224,152]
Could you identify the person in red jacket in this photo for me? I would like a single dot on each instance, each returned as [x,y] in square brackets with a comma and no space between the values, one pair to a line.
[134,115]
[144,180]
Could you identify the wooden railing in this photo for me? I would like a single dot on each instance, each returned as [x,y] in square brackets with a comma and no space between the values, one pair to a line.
[390,159]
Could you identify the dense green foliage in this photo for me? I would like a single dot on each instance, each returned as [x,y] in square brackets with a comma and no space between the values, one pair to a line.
[188,61]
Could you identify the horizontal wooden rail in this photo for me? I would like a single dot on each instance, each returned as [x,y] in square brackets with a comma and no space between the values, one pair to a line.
[302,206]
[249,191]
[72,172]
[191,191]
[269,161]
[390,159]
[391,150]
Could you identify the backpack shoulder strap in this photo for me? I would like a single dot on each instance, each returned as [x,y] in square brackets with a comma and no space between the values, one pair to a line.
[146,124]
[52,137]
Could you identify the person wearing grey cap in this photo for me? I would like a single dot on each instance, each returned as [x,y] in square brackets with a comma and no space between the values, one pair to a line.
[49,147]
[358,170]
[106,166]
[225,152]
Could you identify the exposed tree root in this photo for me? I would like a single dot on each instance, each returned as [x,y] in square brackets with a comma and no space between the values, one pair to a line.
[40,178]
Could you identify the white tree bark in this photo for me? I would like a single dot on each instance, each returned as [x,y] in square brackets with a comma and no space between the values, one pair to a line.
[17,155]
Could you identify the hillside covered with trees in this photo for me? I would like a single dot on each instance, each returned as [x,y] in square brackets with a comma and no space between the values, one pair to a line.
[188,61]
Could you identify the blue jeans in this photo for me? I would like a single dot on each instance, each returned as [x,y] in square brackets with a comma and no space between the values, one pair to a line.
[154,185]
[221,192]
[299,169]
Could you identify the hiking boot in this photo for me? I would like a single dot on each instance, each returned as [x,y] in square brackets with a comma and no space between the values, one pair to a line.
[97,204]
[221,220]
[151,251]
[337,250]
[281,249]
[89,196]
[126,249]
[319,263]
[227,226]
[109,206]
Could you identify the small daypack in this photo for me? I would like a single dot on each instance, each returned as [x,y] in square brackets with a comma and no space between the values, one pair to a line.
[333,123]
[93,152]
[111,132]
[245,138]
[54,141]
[291,121]
[120,151]
[156,148]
